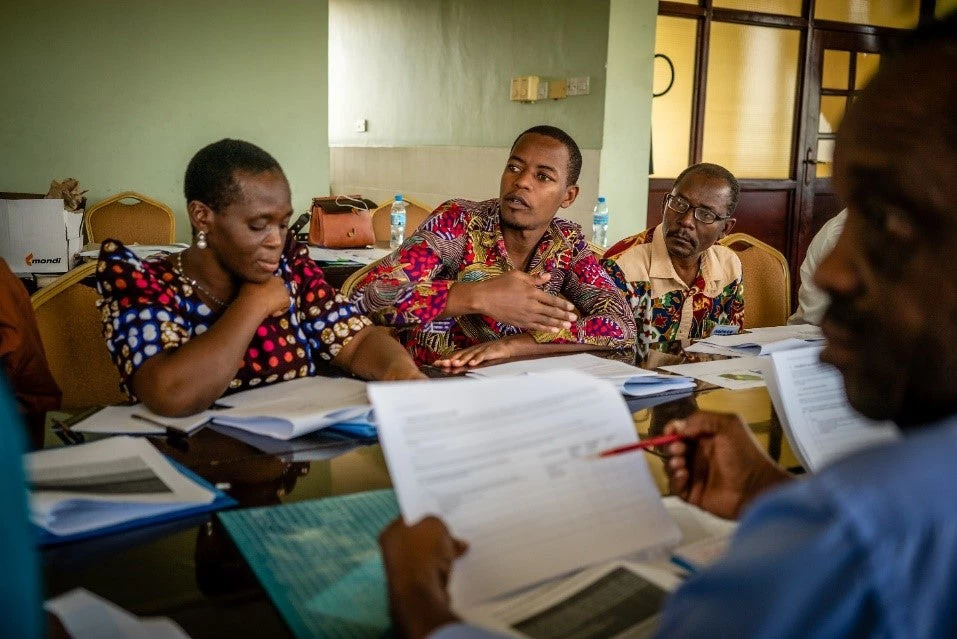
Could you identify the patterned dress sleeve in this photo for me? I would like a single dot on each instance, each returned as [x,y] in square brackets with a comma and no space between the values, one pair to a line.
[732,303]
[141,316]
[327,318]
[411,286]
[605,319]
[638,298]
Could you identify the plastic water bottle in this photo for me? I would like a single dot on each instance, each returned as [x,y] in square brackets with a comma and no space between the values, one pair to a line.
[397,219]
[599,224]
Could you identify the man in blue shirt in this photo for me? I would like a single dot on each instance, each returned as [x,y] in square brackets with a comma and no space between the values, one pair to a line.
[867,547]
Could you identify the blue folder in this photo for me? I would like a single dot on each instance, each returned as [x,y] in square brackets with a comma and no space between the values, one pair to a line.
[319,561]
[222,500]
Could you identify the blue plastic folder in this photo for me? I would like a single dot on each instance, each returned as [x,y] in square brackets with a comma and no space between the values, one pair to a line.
[222,500]
[319,561]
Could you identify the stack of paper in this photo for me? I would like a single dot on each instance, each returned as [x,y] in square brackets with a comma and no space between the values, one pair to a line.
[120,482]
[301,406]
[812,406]
[281,411]
[88,616]
[736,373]
[630,380]
[760,341]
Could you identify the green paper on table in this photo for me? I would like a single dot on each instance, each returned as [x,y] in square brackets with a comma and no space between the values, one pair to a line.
[319,561]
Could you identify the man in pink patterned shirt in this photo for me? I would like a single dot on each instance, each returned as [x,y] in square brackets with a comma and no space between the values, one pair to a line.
[484,281]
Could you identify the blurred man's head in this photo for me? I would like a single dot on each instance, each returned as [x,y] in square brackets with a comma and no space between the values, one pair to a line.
[892,322]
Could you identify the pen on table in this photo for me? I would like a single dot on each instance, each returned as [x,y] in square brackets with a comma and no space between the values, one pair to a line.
[650,442]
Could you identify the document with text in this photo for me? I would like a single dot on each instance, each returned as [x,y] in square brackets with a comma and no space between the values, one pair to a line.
[630,380]
[811,403]
[512,466]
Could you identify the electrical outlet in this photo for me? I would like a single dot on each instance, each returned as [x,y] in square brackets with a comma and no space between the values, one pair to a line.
[579,85]
[362,125]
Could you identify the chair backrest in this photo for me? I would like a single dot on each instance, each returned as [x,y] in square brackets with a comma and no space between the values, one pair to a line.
[70,328]
[415,214]
[130,217]
[767,282]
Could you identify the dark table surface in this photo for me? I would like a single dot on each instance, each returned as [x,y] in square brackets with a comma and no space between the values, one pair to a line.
[191,571]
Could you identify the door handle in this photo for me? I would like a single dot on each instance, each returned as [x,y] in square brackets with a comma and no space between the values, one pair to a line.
[810,161]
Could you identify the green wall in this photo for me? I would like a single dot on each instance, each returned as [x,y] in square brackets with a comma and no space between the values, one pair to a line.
[121,94]
[437,72]
[623,177]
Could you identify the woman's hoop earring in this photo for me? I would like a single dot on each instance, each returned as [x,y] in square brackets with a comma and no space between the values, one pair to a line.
[201,240]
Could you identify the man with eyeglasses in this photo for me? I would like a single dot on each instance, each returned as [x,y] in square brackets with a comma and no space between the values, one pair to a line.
[678,282]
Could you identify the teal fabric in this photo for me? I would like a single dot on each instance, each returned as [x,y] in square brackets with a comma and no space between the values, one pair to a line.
[319,561]
[20,601]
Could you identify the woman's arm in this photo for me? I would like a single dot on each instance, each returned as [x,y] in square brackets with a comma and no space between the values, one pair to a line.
[188,379]
[374,354]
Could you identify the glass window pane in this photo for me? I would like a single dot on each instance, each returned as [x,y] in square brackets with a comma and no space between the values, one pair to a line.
[944,7]
[901,14]
[671,112]
[832,112]
[749,110]
[784,7]
[836,69]
[867,64]
[825,158]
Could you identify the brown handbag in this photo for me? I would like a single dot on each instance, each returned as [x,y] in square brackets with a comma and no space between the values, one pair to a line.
[337,223]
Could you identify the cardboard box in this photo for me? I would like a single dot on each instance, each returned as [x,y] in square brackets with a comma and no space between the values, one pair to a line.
[39,236]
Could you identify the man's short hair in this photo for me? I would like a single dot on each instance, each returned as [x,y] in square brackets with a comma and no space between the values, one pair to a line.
[211,174]
[574,153]
[719,172]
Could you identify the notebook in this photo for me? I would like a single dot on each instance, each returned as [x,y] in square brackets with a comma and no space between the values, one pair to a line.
[111,485]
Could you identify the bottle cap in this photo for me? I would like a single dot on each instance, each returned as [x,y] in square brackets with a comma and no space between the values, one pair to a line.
[601,199]
[398,197]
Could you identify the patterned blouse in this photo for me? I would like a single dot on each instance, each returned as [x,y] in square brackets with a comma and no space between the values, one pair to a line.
[148,306]
[666,309]
[462,242]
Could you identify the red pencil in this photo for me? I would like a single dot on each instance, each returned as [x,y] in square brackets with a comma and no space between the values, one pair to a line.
[643,444]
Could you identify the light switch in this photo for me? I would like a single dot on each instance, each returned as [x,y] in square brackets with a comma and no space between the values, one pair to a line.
[579,85]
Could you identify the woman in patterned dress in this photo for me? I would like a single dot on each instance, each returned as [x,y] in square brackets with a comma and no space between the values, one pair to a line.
[243,306]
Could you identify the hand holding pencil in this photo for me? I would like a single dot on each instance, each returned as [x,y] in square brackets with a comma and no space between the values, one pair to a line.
[714,462]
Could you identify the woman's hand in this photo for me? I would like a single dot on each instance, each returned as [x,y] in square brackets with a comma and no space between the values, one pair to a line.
[269,298]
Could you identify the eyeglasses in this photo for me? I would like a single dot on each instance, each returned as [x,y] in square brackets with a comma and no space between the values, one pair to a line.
[680,206]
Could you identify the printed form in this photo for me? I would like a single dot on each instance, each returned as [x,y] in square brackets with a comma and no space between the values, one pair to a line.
[511,466]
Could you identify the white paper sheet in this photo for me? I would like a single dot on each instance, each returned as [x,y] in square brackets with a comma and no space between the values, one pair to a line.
[771,339]
[297,407]
[88,616]
[630,380]
[78,488]
[736,373]
[137,420]
[811,403]
[141,251]
[511,465]
[361,256]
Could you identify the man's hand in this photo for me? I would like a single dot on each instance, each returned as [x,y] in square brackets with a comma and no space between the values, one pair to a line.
[418,562]
[721,467]
[487,352]
[270,298]
[515,298]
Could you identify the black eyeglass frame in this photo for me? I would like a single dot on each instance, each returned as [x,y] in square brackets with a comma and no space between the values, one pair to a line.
[700,213]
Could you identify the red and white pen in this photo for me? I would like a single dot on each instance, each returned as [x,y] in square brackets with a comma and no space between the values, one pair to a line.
[650,442]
